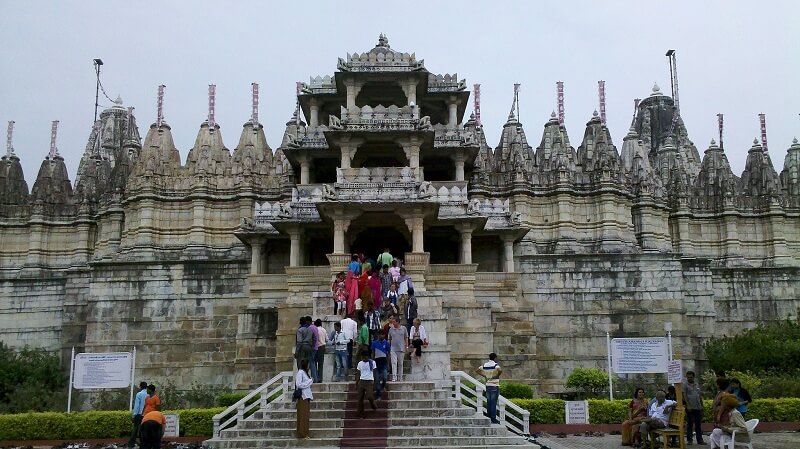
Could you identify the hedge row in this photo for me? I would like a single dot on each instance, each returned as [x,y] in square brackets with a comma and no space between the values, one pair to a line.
[197,422]
[551,411]
[110,424]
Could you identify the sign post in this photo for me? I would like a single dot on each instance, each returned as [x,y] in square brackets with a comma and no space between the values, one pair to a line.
[71,377]
[133,367]
[577,412]
[610,382]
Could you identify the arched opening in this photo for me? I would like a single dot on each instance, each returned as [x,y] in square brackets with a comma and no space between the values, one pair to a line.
[443,243]
[380,154]
[372,232]
[386,93]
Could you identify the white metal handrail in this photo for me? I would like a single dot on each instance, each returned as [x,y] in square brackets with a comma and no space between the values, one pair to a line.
[236,412]
[519,424]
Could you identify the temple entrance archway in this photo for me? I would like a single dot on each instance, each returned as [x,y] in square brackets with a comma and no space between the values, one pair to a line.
[372,232]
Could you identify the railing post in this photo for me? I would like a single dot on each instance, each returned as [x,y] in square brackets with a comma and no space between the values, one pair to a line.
[239,414]
[478,400]
[526,422]
[457,393]
[264,399]
[501,409]
[216,427]
[285,385]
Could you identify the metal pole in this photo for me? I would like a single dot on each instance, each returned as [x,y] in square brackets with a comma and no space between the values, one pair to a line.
[96,88]
[71,378]
[133,369]
[610,382]
[669,343]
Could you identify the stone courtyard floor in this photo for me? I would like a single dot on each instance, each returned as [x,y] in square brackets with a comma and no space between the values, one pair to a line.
[772,440]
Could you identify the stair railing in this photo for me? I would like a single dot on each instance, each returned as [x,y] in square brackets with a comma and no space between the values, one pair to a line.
[275,389]
[468,390]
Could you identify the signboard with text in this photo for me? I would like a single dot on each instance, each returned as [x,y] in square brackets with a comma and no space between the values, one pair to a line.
[639,355]
[577,412]
[102,370]
[172,428]
[674,372]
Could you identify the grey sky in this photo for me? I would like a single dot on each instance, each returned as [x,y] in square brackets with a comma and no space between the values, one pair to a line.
[739,58]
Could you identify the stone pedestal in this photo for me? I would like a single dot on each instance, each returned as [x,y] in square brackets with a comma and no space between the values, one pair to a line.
[416,265]
[435,361]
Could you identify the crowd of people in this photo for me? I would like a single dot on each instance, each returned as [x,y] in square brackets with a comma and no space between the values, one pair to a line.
[728,410]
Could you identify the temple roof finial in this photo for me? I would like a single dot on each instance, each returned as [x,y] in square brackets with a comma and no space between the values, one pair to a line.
[383,41]
[656,90]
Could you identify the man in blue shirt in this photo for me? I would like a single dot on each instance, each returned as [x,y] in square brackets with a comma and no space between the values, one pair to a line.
[138,408]
[381,349]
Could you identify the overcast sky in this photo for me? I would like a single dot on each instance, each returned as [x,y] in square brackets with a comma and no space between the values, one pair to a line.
[735,57]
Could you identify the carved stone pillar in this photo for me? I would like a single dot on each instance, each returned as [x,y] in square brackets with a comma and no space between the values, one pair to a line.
[415,225]
[466,242]
[410,89]
[508,253]
[452,106]
[304,168]
[340,226]
[353,88]
[294,247]
[256,245]
[459,160]
[314,107]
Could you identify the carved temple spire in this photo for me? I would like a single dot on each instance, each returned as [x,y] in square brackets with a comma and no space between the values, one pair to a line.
[715,186]
[555,157]
[209,156]
[252,155]
[759,177]
[13,188]
[597,156]
[790,175]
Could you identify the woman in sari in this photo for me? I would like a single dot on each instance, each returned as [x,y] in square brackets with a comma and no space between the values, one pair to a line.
[374,283]
[637,411]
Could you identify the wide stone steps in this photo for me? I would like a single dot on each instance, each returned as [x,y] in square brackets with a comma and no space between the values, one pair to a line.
[413,414]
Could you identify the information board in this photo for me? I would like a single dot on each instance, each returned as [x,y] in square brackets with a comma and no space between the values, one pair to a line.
[102,370]
[172,428]
[639,355]
[577,412]
[674,372]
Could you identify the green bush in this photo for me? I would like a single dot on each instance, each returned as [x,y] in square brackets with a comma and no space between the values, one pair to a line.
[769,347]
[591,381]
[228,399]
[99,424]
[511,390]
[30,380]
[603,411]
[543,411]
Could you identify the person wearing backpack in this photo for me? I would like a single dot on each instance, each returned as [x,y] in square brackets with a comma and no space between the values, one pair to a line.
[365,383]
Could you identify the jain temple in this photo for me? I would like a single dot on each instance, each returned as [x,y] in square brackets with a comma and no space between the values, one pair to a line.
[531,247]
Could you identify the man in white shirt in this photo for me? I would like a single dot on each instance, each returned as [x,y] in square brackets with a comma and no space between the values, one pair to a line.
[350,328]
[365,384]
[657,416]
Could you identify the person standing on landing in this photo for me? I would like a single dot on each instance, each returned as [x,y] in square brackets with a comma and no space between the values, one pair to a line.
[398,339]
[350,328]
[491,371]
[303,381]
[319,357]
[340,342]
[365,383]
[137,413]
[384,259]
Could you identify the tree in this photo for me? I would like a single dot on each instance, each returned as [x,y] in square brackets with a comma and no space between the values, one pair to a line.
[30,380]
[591,381]
[773,346]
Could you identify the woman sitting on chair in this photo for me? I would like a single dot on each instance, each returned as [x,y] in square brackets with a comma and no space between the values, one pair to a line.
[734,422]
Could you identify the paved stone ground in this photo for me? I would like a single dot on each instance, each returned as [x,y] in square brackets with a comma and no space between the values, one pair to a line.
[776,440]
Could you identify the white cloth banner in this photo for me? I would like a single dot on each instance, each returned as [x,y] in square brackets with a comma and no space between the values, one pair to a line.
[102,370]
[639,355]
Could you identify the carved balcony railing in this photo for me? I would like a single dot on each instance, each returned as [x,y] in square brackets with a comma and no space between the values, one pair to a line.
[299,210]
[379,119]
[379,175]
[320,85]
[380,62]
[445,83]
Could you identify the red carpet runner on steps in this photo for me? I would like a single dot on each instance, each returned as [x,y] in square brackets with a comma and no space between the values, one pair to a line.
[370,432]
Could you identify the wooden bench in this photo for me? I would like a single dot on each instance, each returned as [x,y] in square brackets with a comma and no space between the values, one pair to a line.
[675,427]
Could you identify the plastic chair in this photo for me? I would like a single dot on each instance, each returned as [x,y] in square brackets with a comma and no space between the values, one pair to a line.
[751,426]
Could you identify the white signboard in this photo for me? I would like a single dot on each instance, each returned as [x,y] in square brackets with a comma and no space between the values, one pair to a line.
[102,370]
[674,372]
[639,355]
[577,412]
[173,428]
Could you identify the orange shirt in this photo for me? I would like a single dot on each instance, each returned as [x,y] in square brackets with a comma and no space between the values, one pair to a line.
[155,416]
[151,403]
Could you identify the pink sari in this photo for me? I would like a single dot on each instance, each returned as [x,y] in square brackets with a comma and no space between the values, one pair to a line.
[351,288]
[374,284]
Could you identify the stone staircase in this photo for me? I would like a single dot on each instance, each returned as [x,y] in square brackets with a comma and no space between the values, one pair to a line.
[414,414]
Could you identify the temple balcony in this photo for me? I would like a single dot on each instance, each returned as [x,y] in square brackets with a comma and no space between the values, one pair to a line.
[379,119]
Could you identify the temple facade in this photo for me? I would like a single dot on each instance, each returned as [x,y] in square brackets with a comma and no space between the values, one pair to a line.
[535,253]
